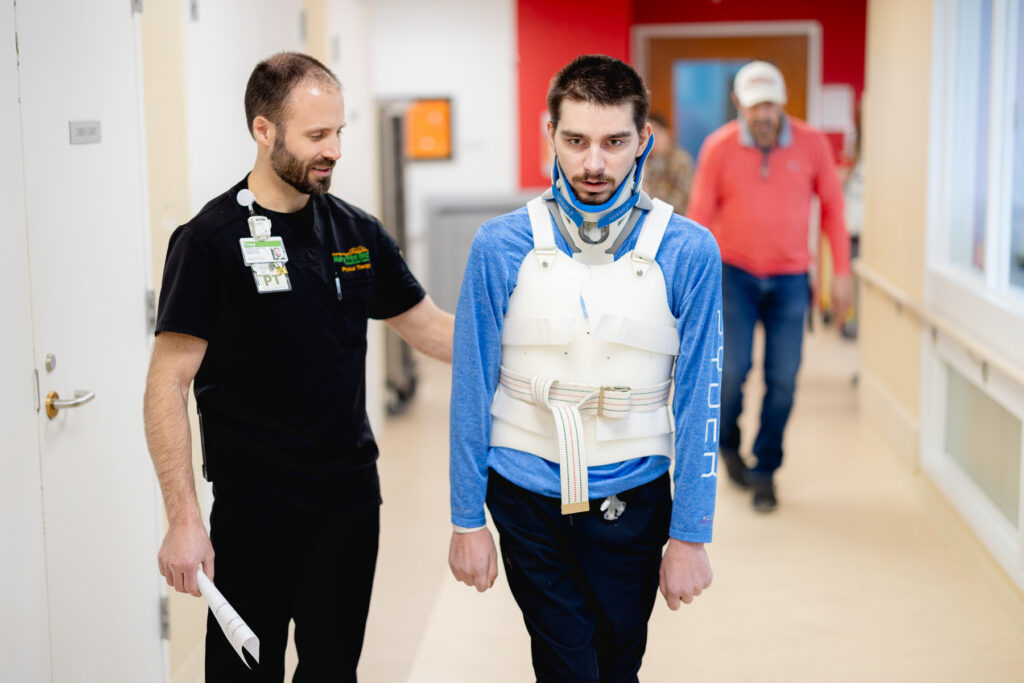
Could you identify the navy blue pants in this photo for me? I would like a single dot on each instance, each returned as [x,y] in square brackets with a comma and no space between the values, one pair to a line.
[276,562]
[780,303]
[586,586]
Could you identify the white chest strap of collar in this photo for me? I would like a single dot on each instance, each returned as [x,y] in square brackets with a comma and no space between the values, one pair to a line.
[642,255]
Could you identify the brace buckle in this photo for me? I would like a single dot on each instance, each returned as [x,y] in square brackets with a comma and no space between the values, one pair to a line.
[600,399]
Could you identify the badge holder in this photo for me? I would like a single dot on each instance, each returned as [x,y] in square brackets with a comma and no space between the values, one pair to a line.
[262,252]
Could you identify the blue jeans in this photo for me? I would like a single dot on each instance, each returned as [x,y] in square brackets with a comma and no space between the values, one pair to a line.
[780,303]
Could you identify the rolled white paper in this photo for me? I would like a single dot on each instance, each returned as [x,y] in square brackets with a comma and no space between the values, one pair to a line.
[238,634]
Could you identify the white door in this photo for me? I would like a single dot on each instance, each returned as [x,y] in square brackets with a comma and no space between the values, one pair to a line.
[87,258]
[24,626]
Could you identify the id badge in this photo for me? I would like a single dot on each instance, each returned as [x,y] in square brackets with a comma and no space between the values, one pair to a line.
[266,250]
[271,277]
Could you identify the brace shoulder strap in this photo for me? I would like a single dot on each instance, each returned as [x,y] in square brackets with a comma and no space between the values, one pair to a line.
[543,231]
[651,233]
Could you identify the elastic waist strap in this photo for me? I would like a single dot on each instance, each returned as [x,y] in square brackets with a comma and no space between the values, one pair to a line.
[569,404]
[591,399]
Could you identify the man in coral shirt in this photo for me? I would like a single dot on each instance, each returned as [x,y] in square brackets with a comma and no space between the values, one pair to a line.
[755,179]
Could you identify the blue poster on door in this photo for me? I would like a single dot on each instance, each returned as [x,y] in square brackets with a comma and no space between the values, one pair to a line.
[701,101]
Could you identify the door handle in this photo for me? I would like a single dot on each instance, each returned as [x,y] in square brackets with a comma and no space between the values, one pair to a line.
[54,403]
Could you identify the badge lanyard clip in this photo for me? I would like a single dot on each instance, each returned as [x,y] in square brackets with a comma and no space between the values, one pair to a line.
[259,226]
[263,253]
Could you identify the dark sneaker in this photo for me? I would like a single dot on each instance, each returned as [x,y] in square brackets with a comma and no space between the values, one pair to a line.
[764,494]
[736,468]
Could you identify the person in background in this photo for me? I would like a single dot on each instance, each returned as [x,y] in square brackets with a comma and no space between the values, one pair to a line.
[753,187]
[853,196]
[669,171]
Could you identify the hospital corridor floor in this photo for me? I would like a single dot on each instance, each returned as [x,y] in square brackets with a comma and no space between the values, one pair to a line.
[864,573]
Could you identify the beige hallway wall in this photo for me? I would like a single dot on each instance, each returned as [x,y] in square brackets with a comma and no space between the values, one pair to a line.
[895,147]
[163,75]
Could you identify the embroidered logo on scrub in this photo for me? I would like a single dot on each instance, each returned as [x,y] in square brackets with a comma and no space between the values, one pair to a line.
[356,258]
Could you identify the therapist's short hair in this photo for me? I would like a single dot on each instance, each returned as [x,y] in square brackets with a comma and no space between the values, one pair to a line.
[273,79]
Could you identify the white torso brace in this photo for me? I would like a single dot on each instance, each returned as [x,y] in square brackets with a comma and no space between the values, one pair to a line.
[587,354]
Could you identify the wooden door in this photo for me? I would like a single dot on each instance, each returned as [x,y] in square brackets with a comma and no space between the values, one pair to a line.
[788,52]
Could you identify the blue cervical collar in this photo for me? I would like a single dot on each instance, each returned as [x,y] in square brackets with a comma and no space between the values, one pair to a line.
[575,209]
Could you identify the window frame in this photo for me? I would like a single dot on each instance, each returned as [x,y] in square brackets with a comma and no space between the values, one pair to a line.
[984,307]
[1004,538]
[985,304]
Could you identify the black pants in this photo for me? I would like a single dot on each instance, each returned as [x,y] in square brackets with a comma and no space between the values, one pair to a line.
[276,562]
[586,585]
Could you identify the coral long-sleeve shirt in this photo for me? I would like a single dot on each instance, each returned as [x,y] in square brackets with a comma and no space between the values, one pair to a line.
[757,204]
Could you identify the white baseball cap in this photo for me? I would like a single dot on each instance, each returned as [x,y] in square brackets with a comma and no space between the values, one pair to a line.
[759,82]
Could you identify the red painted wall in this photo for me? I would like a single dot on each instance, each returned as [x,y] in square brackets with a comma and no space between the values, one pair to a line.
[550,35]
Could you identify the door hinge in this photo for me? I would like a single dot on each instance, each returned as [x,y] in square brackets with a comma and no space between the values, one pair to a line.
[165,620]
[335,48]
[150,312]
[136,6]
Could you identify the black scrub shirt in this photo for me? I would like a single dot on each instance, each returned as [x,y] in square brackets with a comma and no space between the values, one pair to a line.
[281,390]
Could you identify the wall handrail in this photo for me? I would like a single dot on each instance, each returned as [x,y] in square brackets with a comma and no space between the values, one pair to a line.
[978,351]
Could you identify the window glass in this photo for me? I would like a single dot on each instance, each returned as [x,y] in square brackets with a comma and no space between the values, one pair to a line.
[971,83]
[985,439]
[1017,192]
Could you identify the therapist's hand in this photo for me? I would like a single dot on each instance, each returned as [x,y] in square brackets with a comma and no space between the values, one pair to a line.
[185,547]
[473,559]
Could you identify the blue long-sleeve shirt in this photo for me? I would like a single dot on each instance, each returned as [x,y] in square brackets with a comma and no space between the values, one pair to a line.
[690,261]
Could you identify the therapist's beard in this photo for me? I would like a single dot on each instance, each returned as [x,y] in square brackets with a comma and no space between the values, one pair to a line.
[296,172]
